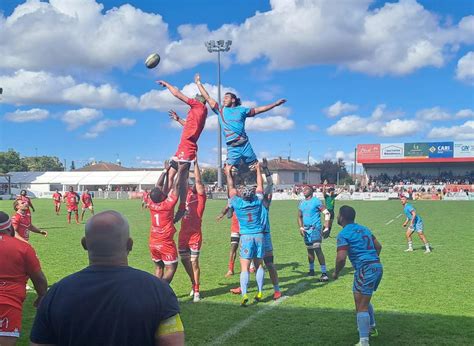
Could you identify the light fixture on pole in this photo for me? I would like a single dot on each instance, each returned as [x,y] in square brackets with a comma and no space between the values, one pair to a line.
[213,47]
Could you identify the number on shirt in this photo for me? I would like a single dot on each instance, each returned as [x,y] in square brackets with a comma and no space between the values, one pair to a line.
[369,243]
[157,219]
[249,215]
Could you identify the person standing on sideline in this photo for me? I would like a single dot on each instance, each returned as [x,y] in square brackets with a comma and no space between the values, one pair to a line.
[415,225]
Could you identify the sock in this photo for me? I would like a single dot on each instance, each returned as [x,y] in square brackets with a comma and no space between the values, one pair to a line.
[364,341]
[276,288]
[69,218]
[244,281]
[196,288]
[371,315]
[410,245]
[363,324]
[311,266]
[231,266]
[323,268]
[76,217]
[260,275]
[427,246]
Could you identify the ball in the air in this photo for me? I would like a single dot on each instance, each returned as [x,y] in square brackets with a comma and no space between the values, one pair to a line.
[152,61]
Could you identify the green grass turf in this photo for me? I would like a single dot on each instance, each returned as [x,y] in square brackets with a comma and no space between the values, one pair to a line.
[422,299]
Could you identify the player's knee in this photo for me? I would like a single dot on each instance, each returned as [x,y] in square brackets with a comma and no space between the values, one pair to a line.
[268,260]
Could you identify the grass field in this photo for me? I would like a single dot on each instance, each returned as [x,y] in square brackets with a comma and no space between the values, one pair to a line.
[422,299]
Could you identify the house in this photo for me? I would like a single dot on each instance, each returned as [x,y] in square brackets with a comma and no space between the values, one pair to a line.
[289,172]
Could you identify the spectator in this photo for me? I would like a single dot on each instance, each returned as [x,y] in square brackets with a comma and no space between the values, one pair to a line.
[18,262]
[108,303]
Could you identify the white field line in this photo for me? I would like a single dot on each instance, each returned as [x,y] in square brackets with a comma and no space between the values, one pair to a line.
[398,216]
[242,324]
[388,223]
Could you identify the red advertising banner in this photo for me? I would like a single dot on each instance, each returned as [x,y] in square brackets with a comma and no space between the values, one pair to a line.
[368,152]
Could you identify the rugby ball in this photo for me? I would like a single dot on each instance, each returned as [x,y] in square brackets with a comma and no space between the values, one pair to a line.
[152,61]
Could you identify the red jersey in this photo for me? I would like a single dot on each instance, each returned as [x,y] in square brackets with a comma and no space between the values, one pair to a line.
[145,196]
[234,226]
[57,197]
[162,215]
[22,222]
[19,262]
[195,204]
[86,199]
[72,199]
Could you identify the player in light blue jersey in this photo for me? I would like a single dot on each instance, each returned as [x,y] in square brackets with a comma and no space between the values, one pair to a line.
[309,220]
[415,224]
[232,118]
[248,204]
[363,249]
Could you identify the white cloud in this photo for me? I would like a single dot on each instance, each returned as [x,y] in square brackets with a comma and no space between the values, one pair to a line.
[397,127]
[151,163]
[312,127]
[352,125]
[465,113]
[433,114]
[270,123]
[339,108]
[107,124]
[34,114]
[458,132]
[465,68]
[77,118]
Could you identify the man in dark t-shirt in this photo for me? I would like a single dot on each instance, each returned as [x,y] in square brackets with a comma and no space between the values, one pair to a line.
[108,303]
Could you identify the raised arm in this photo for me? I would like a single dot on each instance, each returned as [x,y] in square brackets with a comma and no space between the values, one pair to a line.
[230,182]
[175,91]
[259,179]
[173,115]
[266,108]
[197,179]
[269,188]
[163,177]
[204,93]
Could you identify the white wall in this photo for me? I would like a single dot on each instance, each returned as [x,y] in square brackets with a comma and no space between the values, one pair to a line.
[288,178]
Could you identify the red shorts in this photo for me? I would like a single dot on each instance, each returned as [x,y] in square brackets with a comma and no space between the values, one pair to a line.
[190,242]
[87,206]
[186,152]
[71,208]
[57,204]
[10,321]
[163,250]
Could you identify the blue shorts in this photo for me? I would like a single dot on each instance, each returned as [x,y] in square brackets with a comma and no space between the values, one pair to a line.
[312,238]
[418,226]
[267,242]
[251,246]
[244,152]
[367,278]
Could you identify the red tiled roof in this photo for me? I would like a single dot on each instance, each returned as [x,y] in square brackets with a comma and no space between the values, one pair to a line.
[282,164]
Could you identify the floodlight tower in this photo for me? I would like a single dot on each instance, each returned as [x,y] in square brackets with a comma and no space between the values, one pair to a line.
[213,47]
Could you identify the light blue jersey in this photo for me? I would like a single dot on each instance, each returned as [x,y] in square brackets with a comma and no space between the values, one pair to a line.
[359,242]
[249,213]
[232,120]
[311,210]
[408,209]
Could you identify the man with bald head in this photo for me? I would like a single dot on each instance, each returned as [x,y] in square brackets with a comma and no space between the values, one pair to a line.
[108,303]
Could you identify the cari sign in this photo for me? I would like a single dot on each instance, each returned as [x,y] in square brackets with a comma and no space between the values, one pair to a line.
[441,149]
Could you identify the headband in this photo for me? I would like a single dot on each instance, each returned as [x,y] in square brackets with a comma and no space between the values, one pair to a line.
[5,225]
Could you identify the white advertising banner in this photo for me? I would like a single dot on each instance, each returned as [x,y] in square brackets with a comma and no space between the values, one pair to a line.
[464,149]
[392,151]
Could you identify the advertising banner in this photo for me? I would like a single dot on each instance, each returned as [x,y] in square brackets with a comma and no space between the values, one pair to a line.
[441,149]
[417,150]
[392,151]
[368,152]
[464,149]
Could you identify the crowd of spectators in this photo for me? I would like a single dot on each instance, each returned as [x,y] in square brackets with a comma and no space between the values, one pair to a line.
[420,179]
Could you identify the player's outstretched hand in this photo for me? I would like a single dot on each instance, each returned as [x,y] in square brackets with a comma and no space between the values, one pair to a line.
[45,233]
[302,231]
[280,102]
[173,115]
[197,78]
[163,83]
[405,224]
[219,217]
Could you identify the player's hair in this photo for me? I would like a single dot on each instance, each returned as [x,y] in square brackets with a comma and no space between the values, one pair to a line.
[22,191]
[312,188]
[155,194]
[234,96]
[15,204]
[347,213]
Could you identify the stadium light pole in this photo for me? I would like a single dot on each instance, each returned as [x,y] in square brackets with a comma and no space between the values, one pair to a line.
[213,47]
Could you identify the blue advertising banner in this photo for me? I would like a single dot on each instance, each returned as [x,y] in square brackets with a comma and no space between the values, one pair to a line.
[441,149]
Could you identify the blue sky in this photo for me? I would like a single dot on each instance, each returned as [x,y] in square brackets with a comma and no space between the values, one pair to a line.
[75,85]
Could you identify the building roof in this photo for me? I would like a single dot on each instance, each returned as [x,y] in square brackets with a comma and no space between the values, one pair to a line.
[281,164]
[102,167]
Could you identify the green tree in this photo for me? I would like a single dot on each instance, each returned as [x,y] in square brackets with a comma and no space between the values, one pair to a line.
[10,162]
[329,170]
[43,163]
[209,175]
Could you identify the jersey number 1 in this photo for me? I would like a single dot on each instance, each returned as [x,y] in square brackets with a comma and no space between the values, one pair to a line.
[157,219]
[249,215]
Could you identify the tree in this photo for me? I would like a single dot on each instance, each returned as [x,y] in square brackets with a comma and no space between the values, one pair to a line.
[10,162]
[73,166]
[43,163]
[209,175]
[329,170]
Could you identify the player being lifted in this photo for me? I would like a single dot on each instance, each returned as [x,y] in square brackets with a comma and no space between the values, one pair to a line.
[309,220]
[161,243]
[57,197]
[232,118]
[72,200]
[248,204]
[187,148]
[234,237]
[190,234]
[87,203]
[363,249]
[21,221]
[415,223]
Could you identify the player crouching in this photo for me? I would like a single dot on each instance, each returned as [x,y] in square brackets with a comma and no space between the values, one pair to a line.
[190,234]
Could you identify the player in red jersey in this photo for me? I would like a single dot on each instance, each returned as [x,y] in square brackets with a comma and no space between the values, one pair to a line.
[23,197]
[57,197]
[145,198]
[72,200]
[190,234]
[87,203]
[187,148]
[18,263]
[234,237]
[21,221]
[162,246]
